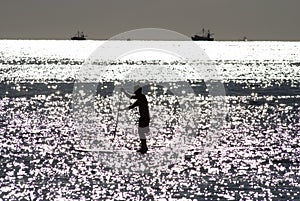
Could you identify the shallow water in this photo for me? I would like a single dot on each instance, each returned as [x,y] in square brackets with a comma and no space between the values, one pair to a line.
[257,157]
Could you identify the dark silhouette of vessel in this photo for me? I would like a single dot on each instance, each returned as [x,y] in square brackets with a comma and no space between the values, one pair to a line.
[79,36]
[205,36]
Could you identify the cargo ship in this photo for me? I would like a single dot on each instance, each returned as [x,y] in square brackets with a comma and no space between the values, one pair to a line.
[79,36]
[204,36]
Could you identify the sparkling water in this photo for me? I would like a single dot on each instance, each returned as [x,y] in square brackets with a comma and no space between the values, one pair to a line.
[257,157]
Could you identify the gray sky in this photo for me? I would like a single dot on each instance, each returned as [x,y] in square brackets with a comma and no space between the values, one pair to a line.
[228,19]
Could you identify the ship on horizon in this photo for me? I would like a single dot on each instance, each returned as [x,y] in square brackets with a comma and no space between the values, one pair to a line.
[205,36]
[79,36]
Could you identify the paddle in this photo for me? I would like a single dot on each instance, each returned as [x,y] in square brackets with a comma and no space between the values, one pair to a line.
[117,120]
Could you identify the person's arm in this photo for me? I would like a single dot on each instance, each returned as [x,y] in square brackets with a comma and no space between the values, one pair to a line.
[136,103]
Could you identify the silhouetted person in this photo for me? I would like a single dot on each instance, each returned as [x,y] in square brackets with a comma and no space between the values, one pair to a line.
[142,103]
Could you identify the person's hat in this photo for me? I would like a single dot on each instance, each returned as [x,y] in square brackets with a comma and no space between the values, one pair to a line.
[137,88]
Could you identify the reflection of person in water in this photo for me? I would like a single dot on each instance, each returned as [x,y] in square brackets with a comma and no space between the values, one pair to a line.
[142,103]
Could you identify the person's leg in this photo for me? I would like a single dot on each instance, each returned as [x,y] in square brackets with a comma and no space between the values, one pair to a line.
[142,134]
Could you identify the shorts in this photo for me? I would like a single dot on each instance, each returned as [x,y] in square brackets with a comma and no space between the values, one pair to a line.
[142,132]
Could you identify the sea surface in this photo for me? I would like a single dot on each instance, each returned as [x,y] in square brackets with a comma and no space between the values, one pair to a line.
[256,158]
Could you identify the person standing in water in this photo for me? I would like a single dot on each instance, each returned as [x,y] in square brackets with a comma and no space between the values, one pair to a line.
[144,120]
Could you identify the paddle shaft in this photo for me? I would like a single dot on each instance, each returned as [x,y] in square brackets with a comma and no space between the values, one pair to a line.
[117,120]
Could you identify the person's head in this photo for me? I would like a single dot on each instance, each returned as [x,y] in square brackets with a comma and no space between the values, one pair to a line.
[137,89]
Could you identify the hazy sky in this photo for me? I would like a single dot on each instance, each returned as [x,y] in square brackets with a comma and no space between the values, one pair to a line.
[228,19]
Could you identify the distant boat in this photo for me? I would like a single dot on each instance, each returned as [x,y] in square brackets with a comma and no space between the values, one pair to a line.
[205,36]
[244,39]
[79,36]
